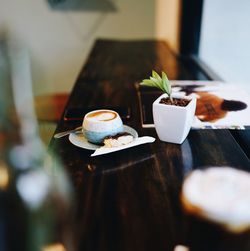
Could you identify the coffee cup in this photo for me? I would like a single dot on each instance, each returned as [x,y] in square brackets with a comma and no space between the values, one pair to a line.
[217,204]
[99,124]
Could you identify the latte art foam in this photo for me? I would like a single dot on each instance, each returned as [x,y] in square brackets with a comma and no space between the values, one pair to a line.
[102,116]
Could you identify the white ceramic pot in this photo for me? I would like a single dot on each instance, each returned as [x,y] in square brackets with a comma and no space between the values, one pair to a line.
[173,123]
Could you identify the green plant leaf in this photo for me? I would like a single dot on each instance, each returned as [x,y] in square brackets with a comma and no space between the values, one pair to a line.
[160,82]
[157,82]
[156,75]
[166,84]
[148,82]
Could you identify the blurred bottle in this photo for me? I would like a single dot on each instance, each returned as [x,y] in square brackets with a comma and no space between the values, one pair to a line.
[35,194]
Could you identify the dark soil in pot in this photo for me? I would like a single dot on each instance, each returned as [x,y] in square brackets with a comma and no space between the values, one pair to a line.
[176,101]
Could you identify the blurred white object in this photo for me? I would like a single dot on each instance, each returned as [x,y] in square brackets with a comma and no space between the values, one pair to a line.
[220,194]
[181,248]
[135,142]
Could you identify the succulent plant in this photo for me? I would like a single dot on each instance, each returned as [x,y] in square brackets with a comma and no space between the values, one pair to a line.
[160,82]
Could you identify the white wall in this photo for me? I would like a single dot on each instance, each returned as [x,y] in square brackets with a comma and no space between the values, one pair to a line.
[59,42]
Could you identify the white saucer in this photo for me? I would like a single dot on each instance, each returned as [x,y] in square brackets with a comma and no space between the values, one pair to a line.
[79,140]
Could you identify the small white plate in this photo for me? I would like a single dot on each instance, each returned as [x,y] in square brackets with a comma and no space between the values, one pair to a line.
[79,140]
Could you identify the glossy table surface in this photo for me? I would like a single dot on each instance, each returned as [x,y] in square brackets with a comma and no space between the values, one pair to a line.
[129,200]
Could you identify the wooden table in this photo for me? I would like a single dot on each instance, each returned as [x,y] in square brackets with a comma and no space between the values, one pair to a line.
[129,200]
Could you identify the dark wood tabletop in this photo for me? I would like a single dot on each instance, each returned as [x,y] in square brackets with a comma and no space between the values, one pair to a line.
[129,200]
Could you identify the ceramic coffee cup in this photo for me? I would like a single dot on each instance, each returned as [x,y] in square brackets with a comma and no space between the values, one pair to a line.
[99,124]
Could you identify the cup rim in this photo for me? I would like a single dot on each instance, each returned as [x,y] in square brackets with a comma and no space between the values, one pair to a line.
[100,110]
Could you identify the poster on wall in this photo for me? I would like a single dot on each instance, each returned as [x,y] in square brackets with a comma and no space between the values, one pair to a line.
[219,105]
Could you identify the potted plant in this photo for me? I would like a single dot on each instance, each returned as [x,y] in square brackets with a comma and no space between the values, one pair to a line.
[173,114]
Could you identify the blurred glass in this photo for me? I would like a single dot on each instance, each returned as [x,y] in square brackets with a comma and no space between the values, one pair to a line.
[35,194]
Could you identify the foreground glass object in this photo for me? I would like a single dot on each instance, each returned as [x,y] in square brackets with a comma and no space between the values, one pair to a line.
[35,194]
